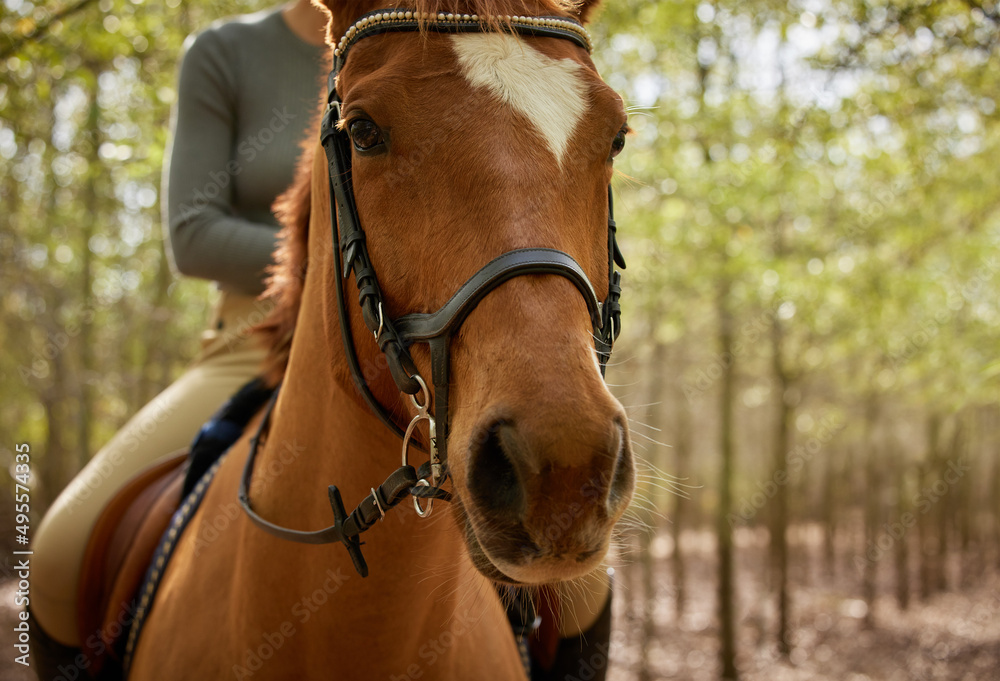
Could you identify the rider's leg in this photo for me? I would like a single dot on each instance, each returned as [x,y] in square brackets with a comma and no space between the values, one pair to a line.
[163,426]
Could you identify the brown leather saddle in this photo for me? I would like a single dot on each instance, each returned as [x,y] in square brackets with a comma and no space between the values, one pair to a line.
[118,555]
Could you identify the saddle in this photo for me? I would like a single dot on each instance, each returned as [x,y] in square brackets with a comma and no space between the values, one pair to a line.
[131,529]
[118,554]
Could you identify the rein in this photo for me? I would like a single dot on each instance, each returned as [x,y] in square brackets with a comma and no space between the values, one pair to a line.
[436,329]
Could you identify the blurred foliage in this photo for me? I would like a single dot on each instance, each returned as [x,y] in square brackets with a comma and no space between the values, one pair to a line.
[821,171]
[92,322]
[834,161]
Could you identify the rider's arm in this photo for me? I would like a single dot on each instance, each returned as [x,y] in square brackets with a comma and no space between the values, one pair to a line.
[207,239]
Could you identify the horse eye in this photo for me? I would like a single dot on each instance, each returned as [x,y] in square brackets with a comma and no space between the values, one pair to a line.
[618,143]
[365,134]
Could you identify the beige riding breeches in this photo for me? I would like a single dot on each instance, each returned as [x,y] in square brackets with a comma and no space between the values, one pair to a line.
[231,355]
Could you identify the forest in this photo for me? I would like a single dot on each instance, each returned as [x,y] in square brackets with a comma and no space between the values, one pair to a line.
[811,219]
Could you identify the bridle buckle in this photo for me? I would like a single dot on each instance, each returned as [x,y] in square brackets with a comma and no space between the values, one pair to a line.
[423,414]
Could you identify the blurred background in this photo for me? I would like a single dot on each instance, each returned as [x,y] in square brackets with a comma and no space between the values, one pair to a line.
[810,210]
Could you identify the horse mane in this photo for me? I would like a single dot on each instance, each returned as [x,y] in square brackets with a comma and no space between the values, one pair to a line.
[286,276]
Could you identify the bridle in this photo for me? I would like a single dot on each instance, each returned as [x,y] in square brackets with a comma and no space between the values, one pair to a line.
[395,336]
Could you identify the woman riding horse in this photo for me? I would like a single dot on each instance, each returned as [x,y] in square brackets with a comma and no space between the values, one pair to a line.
[479,142]
[468,141]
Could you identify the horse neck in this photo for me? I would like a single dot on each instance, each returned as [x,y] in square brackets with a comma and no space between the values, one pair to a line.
[320,414]
[321,433]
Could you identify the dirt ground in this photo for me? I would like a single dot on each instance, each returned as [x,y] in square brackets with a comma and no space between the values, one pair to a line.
[954,636]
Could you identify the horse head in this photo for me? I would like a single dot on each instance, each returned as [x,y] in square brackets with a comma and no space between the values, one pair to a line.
[466,146]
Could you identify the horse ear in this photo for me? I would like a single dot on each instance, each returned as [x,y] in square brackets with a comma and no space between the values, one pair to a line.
[343,13]
[586,9]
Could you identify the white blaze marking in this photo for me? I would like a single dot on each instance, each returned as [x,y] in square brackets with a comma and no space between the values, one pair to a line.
[548,92]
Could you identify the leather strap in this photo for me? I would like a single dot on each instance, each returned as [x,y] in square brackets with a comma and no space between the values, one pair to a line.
[346,528]
[353,249]
[372,24]
[423,327]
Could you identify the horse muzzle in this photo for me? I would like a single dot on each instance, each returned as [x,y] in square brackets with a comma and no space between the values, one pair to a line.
[542,497]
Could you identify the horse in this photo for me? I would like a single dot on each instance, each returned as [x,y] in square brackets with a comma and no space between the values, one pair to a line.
[463,178]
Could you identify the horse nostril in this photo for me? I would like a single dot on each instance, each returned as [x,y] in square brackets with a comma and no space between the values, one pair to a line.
[493,479]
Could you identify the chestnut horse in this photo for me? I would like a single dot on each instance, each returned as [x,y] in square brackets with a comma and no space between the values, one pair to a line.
[490,140]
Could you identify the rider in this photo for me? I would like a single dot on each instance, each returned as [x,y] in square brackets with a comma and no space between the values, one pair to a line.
[247,92]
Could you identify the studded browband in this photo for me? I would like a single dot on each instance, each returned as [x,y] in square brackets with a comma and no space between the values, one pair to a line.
[388,21]
[393,337]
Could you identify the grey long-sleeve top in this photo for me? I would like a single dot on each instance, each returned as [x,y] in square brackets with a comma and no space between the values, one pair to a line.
[247,91]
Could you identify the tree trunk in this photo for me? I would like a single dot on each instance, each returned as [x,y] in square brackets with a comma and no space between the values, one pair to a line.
[873,489]
[656,390]
[900,547]
[648,625]
[779,477]
[966,504]
[86,378]
[947,502]
[994,446]
[58,468]
[923,540]
[682,450]
[727,586]
[157,356]
[928,551]
[829,516]
[940,502]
